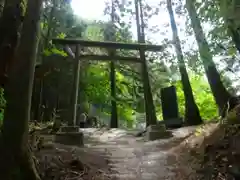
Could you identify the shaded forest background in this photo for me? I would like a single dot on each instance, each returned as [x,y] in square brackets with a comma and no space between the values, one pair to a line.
[205,71]
[54,69]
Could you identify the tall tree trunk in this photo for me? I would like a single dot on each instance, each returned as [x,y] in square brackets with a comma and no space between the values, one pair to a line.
[220,93]
[110,35]
[39,93]
[46,45]
[230,11]
[192,115]
[114,118]
[151,118]
[75,88]
[10,25]
[50,24]
[235,33]
[16,153]
[1,6]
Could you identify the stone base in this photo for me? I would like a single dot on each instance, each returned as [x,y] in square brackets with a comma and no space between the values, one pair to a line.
[69,129]
[70,138]
[173,123]
[157,127]
[155,132]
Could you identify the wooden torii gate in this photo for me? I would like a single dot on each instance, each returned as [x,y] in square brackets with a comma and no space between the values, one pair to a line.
[108,45]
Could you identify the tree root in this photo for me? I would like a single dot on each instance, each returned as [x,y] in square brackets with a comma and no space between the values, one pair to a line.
[18,165]
[28,167]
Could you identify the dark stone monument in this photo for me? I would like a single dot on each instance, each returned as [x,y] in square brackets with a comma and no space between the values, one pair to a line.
[170,108]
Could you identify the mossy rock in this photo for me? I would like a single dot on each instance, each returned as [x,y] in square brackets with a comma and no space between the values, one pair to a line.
[233,117]
[84,107]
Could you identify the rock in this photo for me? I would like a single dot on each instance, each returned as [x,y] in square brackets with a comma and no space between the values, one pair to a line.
[91,122]
[48,146]
[69,129]
[155,132]
[233,116]
[234,170]
[56,126]
[77,164]
[69,138]
[141,133]
[82,120]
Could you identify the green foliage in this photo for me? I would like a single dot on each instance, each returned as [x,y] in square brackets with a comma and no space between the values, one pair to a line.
[202,95]
[55,51]
[95,83]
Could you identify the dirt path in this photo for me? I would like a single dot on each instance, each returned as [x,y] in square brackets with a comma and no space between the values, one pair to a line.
[134,159]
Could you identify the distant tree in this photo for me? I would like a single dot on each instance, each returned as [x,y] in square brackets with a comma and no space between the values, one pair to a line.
[1,6]
[10,26]
[151,118]
[230,12]
[192,115]
[220,93]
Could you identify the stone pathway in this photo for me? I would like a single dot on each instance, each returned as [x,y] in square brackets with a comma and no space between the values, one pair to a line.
[135,159]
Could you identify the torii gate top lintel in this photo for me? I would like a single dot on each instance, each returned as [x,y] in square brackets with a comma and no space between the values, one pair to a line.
[112,45]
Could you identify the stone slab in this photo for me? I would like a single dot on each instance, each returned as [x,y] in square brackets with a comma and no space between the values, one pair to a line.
[69,138]
[155,135]
[157,127]
[155,132]
[69,129]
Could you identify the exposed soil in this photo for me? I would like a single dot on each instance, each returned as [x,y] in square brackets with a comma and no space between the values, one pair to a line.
[118,154]
[210,151]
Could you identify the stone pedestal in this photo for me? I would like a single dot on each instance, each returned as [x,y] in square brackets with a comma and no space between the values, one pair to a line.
[155,132]
[69,129]
[70,138]
[174,123]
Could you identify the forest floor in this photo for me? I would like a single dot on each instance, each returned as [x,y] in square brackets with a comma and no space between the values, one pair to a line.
[118,154]
[134,158]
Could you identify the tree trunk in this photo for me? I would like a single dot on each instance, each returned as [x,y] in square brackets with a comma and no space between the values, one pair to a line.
[221,95]
[110,35]
[151,118]
[83,99]
[1,6]
[34,100]
[42,48]
[75,88]
[235,33]
[114,118]
[15,153]
[192,115]
[230,11]
[10,25]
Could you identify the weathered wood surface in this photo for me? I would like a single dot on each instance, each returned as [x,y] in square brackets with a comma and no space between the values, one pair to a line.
[112,45]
